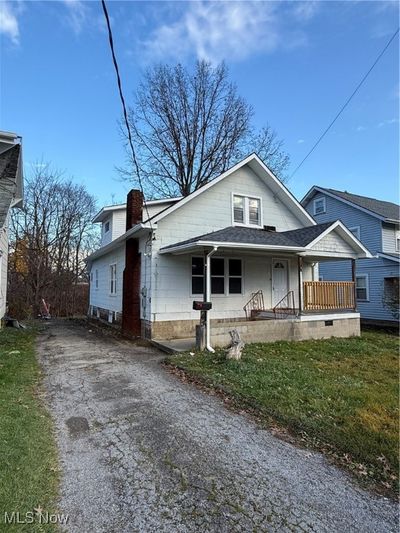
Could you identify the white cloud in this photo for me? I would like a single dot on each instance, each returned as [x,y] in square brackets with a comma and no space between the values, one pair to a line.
[361,128]
[227,30]
[77,14]
[300,141]
[8,21]
[388,122]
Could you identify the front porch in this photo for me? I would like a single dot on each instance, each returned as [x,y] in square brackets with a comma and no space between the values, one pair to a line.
[260,283]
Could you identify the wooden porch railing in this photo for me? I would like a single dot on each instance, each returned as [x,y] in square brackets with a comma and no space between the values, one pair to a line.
[329,295]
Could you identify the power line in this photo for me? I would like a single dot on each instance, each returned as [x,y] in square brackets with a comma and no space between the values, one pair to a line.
[346,103]
[121,95]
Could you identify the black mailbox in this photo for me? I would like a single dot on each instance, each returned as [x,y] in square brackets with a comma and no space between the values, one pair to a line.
[201,306]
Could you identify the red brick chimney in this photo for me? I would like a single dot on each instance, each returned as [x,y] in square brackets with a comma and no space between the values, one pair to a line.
[131,323]
[134,208]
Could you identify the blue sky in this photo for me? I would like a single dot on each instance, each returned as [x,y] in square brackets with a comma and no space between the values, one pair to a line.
[295,62]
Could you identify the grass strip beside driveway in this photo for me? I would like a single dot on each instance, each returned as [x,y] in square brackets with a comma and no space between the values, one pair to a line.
[336,395]
[29,470]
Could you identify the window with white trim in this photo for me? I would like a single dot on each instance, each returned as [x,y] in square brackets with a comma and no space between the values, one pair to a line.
[107,226]
[246,210]
[397,242]
[226,275]
[355,230]
[113,279]
[362,287]
[319,205]
[96,278]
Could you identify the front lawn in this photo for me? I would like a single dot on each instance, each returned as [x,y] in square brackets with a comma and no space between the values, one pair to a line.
[336,395]
[28,458]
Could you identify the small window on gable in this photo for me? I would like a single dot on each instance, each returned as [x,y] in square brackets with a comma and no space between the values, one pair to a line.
[319,206]
[246,210]
[107,227]
[355,231]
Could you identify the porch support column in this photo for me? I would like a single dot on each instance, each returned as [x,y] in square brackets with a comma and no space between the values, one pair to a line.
[300,280]
[353,277]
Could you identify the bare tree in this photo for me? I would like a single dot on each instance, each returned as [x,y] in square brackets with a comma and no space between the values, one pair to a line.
[50,239]
[190,127]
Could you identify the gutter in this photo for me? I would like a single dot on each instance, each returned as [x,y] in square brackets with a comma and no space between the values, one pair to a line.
[208,298]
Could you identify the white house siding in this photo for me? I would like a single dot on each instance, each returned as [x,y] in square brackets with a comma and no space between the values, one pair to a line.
[334,243]
[118,226]
[171,285]
[3,268]
[211,211]
[101,297]
[389,234]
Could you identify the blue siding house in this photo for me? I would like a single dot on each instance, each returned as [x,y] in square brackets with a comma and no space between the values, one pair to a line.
[376,224]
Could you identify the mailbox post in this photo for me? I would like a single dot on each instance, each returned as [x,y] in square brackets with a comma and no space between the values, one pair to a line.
[203,307]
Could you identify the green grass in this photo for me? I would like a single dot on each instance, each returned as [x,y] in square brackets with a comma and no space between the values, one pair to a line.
[28,457]
[337,395]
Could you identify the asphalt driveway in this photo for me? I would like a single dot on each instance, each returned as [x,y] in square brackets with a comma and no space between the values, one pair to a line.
[142,451]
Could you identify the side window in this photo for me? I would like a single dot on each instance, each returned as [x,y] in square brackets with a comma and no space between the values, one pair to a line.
[113,279]
[96,282]
[362,289]
[320,206]
[107,227]
[355,230]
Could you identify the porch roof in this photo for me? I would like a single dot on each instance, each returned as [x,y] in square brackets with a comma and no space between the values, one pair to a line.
[299,241]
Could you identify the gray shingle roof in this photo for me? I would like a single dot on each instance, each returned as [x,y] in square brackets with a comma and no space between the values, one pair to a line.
[236,234]
[380,207]
[8,179]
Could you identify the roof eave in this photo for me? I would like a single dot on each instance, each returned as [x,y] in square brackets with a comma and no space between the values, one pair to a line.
[225,244]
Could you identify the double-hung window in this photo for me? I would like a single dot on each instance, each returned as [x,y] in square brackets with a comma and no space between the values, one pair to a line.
[113,279]
[246,210]
[362,289]
[96,279]
[319,206]
[226,275]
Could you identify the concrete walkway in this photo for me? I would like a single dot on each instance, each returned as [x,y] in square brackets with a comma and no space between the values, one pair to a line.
[143,452]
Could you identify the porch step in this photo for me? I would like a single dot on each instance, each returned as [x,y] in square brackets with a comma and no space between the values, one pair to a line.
[268,314]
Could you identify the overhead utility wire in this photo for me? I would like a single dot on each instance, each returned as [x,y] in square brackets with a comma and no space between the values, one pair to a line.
[121,95]
[346,103]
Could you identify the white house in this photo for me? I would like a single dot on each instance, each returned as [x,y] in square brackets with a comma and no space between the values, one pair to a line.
[11,193]
[262,251]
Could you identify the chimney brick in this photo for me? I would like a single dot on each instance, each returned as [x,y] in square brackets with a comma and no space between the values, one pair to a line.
[134,208]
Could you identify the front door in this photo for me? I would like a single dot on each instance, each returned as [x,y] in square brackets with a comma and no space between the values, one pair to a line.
[280,285]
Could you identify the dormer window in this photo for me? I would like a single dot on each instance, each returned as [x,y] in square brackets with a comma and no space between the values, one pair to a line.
[246,210]
[107,227]
[319,206]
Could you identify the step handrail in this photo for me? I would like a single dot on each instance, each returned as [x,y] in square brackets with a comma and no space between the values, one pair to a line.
[282,312]
[256,303]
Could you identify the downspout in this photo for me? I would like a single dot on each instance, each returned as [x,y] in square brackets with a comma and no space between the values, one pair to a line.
[208,294]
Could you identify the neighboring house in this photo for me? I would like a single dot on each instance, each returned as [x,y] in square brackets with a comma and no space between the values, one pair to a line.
[11,193]
[376,224]
[264,246]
